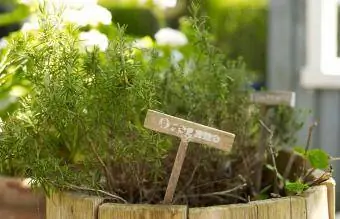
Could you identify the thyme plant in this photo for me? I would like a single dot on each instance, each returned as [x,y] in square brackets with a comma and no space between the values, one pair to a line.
[84,112]
[81,125]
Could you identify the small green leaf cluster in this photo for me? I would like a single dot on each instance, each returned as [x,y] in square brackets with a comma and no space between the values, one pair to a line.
[314,159]
[318,158]
[296,187]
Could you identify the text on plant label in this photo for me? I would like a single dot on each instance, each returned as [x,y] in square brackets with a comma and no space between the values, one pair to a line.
[189,131]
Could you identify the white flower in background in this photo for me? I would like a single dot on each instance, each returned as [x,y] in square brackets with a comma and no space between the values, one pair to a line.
[165,3]
[31,24]
[89,15]
[161,3]
[170,37]
[3,43]
[80,12]
[176,56]
[74,4]
[94,38]
[26,2]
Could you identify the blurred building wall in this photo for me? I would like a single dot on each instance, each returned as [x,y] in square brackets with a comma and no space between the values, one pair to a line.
[286,56]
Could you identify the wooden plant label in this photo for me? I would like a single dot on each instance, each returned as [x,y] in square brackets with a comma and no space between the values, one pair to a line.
[274,98]
[188,132]
[192,132]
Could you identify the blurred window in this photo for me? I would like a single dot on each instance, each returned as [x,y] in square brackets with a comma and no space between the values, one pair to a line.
[322,68]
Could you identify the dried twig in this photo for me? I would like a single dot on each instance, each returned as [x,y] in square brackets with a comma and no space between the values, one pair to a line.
[221,193]
[261,153]
[250,181]
[309,138]
[289,166]
[310,172]
[188,182]
[310,132]
[108,174]
[74,187]
[192,176]
[270,147]
[324,177]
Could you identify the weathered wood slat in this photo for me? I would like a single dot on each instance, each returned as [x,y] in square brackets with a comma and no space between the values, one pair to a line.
[239,211]
[72,206]
[274,98]
[126,211]
[298,207]
[330,184]
[313,204]
[316,202]
[273,208]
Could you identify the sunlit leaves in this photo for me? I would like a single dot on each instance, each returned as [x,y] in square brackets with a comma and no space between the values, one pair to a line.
[17,15]
[296,187]
[318,158]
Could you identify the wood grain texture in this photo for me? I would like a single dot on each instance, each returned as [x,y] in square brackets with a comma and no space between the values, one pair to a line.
[72,206]
[316,202]
[273,208]
[125,211]
[176,171]
[312,204]
[192,132]
[330,184]
[298,207]
[239,211]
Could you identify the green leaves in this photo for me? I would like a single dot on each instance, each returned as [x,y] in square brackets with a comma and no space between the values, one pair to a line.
[296,187]
[299,150]
[12,86]
[318,158]
[17,15]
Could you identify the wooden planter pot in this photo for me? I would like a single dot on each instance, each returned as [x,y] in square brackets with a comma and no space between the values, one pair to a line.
[17,201]
[316,203]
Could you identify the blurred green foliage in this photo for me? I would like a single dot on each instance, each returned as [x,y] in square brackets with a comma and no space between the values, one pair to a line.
[139,21]
[240,27]
[16,15]
[12,85]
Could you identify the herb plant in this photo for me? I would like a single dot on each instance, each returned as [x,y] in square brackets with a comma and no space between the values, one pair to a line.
[84,111]
[81,125]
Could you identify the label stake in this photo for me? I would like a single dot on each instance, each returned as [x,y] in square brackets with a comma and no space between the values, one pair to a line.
[187,131]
